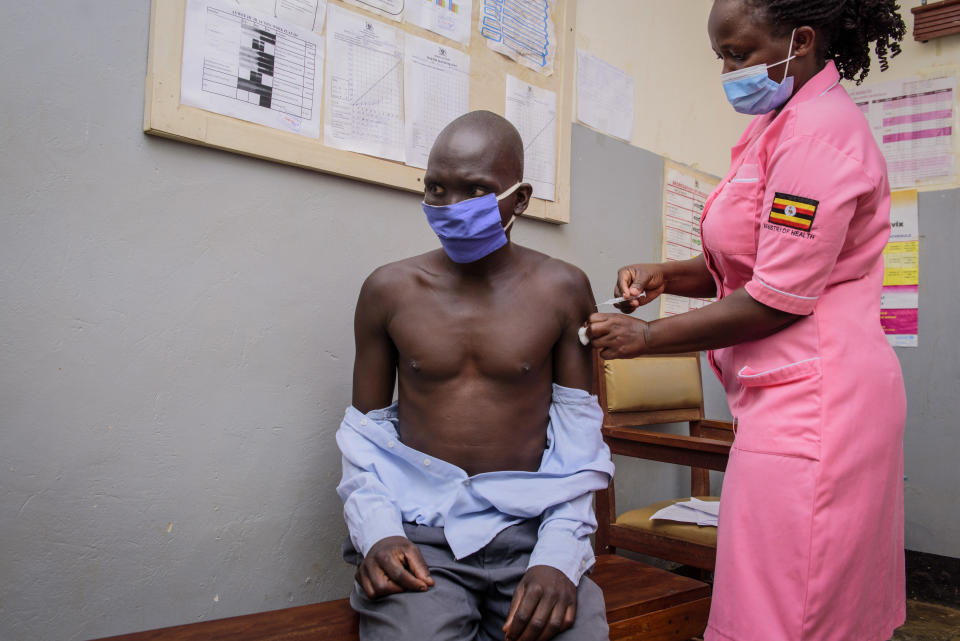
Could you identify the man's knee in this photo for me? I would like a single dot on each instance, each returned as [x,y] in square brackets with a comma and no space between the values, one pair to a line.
[591,623]
[445,612]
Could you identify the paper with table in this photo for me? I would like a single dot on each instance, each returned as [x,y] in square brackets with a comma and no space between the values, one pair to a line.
[522,30]
[364,97]
[704,513]
[533,111]
[685,193]
[436,81]
[913,121]
[251,66]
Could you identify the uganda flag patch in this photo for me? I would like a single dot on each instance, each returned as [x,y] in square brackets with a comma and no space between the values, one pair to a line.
[795,212]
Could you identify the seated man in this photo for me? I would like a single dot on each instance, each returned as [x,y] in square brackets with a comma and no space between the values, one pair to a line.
[469,500]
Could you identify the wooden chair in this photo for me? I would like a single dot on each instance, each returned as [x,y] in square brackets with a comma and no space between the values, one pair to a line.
[654,390]
[642,602]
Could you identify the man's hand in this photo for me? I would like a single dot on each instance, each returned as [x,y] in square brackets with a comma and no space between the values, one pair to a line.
[393,565]
[544,605]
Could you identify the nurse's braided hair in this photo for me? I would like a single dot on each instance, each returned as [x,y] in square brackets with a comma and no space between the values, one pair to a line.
[845,29]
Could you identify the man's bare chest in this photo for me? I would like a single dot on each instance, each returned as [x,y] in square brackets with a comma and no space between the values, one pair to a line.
[497,337]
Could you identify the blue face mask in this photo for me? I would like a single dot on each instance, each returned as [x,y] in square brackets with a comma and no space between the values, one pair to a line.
[751,91]
[470,229]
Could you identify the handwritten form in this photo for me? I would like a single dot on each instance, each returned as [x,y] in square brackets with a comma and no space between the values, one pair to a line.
[252,67]
[533,111]
[364,108]
[392,9]
[449,18]
[266,7]
[604,96]
[307,14]
[436,91]
[522,30]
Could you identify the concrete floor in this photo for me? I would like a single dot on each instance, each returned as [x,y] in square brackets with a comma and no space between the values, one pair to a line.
[928,622]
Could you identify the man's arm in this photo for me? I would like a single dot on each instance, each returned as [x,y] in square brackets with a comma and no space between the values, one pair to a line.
[375,363]
[545,602]
[572,362]
[391,564]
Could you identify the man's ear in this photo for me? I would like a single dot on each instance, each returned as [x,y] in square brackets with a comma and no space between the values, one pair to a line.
[524,193]
[804,41]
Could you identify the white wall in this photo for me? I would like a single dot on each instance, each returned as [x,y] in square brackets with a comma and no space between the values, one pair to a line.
[680,110]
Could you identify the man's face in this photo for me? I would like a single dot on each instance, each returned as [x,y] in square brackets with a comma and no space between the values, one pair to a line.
[465,164]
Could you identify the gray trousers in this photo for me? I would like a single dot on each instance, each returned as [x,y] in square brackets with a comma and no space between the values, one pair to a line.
[471,597]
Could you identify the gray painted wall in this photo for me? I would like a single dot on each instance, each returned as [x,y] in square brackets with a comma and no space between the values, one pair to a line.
[176,344]
[932,374]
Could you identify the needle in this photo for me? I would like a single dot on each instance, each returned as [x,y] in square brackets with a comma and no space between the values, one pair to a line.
[621,299]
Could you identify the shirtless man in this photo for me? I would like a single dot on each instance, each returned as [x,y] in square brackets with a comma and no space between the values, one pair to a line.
[481,337]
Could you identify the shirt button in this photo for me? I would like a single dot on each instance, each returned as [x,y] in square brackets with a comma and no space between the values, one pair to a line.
[466,482]
[426,462]
[363,421]
[390,444]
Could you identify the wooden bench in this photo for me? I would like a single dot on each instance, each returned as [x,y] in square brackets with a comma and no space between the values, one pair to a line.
[642,603]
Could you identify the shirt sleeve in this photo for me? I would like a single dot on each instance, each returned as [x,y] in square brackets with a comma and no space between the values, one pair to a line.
[578,459]
[564,538]
[368,507]
[811,194]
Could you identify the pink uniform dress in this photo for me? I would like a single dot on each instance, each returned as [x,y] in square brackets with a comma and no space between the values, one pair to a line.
[811,516]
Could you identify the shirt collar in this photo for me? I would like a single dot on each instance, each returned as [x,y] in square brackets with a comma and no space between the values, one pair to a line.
[823,81]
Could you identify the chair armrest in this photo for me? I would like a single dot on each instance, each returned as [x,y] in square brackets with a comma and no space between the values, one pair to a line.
[692,451]
[719,425]
[720,430]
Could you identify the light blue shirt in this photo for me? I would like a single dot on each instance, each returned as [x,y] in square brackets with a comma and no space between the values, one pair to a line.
[385,483]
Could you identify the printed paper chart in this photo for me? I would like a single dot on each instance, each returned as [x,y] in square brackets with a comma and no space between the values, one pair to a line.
[900,300]
[685,193]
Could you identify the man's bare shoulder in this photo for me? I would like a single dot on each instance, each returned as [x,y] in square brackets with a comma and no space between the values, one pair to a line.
[566,285]
[553,272]
[392,278]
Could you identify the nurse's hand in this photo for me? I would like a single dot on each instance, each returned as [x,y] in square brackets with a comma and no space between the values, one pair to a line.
[633,280]
[617,336]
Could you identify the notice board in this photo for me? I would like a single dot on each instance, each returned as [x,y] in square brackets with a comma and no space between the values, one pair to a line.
[165,115]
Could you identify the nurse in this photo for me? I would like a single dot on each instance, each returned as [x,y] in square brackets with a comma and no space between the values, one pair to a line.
[811,520]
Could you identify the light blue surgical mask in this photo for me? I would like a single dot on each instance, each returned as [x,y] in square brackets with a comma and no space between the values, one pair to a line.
[751,91]
[472,228]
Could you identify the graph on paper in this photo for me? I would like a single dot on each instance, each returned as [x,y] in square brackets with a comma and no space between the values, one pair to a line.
[364,108]
[533,111]
[436,90]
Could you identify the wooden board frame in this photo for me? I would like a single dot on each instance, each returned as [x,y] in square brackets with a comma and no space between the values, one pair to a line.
[163,115]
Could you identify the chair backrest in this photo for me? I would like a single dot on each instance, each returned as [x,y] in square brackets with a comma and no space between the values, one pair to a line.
[656,390]
[649,390]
